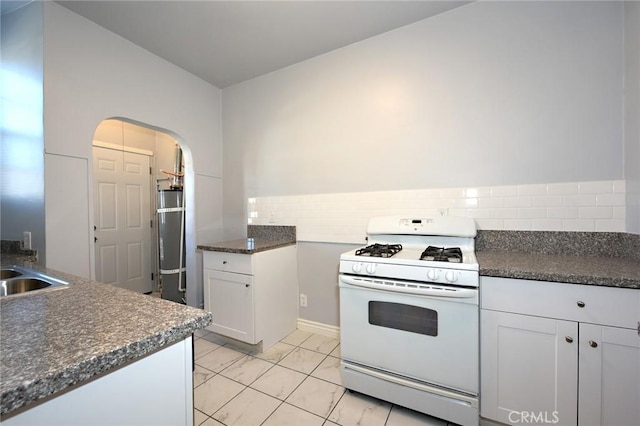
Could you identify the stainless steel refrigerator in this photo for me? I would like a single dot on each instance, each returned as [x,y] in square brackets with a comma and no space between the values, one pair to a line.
[171,247]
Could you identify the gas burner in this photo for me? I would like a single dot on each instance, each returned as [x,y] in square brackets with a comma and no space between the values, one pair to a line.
[441,254]
[379,250]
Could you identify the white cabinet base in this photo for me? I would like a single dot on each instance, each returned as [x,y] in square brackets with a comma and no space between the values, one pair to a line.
[154,390]
[253,298]
[609,383]
[529,368]
[559,348]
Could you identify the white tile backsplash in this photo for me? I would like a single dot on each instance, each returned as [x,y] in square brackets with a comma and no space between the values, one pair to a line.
[599,187]
[562,188]
[342,217]
[579,200]
[610,199]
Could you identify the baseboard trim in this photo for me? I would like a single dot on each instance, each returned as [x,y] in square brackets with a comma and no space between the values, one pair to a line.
[320,328]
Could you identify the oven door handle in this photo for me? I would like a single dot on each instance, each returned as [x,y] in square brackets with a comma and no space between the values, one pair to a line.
[470,400]
[409,287]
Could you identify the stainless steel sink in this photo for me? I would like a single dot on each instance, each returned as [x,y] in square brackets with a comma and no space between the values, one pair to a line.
[17,280]
[9,273]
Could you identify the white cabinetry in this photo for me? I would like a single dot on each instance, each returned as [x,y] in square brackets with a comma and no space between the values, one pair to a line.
[252,297]
[561,353]
[609,376]
[527,367]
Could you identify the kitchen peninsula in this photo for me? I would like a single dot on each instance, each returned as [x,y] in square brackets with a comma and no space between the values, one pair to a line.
[90,353]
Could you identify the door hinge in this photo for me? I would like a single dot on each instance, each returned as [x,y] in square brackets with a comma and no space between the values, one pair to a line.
[150,170]
[152,276]
[151,223]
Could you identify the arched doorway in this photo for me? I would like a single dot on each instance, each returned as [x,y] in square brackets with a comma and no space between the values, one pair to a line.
[137,174]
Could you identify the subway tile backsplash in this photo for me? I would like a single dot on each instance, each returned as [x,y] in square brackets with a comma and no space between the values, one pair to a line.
[342,217]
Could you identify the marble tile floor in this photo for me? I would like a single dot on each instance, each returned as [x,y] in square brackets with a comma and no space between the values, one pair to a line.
[295,383]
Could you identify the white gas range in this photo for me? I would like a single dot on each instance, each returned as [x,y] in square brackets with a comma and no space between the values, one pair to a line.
[409,315]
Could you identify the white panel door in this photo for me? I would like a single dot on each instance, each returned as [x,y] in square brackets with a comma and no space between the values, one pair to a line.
[609,376]
[229,298]
[122,218]
[529,368]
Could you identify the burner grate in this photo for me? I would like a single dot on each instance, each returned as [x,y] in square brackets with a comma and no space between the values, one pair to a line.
[442,254]
[379,250]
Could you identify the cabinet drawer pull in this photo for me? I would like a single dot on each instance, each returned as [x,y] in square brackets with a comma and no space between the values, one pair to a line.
[246,285]
[224,262]
[593,344]
[569,339]
[581,304]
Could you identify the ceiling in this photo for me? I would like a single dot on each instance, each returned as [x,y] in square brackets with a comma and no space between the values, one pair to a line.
[227,42]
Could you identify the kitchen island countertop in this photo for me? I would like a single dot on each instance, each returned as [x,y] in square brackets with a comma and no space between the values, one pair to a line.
[53,339]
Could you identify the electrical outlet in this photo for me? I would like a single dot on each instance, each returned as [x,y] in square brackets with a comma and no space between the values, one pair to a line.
[303,300]
[26,240]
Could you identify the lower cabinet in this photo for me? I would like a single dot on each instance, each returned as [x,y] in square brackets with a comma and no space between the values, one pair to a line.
[230,296]
[609,379]
[529,367]
[542,363]
[252,297]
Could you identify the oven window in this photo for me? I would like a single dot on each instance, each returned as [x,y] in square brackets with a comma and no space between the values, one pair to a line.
[404,317]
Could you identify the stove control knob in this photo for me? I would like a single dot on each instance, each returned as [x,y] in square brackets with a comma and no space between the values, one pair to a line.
[371,268]
[357,267]
[451,276]
[433,274]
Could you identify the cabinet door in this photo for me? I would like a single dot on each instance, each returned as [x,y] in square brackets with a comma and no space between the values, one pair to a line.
[529,369]
[229,297]
[609,376]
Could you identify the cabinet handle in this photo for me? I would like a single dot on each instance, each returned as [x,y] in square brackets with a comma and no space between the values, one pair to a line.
[569,339]
[593,344]
[581,304]
[246,285]
[224,262]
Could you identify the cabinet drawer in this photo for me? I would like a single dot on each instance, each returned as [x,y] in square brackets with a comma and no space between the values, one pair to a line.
[618,307]
[229,262]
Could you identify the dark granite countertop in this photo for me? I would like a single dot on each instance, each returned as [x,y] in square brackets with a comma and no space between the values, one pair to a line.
[246,245]
[53,339]
[594,258]
[603,271]
[259,238]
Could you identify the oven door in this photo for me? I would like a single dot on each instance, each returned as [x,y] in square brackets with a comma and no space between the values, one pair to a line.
[430,338]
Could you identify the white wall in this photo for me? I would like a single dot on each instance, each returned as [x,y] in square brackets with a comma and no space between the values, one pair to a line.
[21,128]
[490,94]
[632,114]
[92,74]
